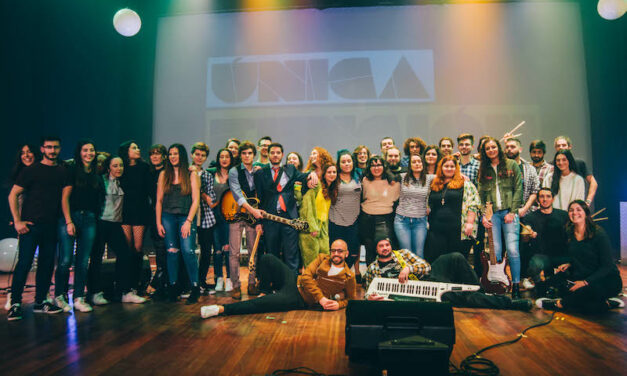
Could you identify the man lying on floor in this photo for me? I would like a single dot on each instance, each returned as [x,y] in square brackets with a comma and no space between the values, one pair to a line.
[448,268]
[327,282]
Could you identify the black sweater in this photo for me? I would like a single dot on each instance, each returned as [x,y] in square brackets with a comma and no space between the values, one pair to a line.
[591,259]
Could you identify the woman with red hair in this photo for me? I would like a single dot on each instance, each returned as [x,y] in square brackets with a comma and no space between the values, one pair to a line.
[319,157]
[454,204]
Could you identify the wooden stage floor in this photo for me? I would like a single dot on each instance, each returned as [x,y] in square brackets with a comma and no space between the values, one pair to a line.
[171,339]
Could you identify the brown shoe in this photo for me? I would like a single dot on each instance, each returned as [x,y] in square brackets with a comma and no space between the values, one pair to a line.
[253,290]
[237,293]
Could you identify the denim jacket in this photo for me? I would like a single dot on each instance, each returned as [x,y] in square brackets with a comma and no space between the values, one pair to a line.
[510,187]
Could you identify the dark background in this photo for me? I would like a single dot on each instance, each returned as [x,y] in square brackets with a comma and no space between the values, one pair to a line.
[66,71]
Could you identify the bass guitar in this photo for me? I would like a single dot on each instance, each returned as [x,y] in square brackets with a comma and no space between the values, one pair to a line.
[234,213]
[494,278]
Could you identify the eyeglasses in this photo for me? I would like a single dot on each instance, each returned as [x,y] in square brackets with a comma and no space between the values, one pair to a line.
[337,250]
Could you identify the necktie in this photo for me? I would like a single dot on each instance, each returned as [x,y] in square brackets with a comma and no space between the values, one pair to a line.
[279,189]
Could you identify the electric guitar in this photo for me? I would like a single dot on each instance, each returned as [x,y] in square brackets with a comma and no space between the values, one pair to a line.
[234,213]
[494,279]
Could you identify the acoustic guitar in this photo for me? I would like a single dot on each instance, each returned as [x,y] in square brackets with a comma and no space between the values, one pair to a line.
[494,278]
[234,213]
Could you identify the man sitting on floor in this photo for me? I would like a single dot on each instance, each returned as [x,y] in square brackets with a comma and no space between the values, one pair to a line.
[448,268]
[327,282]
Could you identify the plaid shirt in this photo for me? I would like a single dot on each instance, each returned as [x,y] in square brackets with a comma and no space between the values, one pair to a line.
[531,183]
[544,170]
[207,219]
[470,170]
[417,266]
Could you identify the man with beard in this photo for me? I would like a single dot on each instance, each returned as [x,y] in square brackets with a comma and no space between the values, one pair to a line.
[545,248]
[393,158]
[537,150]
[41,184]
[275,190]
[448,268]
[326,283]
[530,180]
[468,165]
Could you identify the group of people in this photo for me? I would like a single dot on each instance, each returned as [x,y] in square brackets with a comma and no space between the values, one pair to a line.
[428,203]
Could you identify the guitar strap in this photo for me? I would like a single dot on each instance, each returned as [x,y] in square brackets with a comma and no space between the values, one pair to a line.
[401,261]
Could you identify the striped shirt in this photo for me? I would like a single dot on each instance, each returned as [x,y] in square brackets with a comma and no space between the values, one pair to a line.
[346,208]
[413,199]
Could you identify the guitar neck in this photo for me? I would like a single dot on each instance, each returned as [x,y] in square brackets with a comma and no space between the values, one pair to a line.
[276,218]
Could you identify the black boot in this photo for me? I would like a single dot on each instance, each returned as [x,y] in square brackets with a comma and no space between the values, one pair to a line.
[193,297]
[516,291]
[173,293]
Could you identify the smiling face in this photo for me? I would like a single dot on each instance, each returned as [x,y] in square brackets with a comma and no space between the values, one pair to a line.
[376,168]
[384,248]
[346,163]
[292,159]
[431,157]
[225,159]
[234,148]
[448,169]
[116,167]
[88,153]
[199,157]
[26,156]
[561,144]
[313,157]
[491,149]
[386,143]
[362,156]
[464,146]
[416,164]
[562,163]
[263,148]
[446,147]
[50,150]
[173,156]
[393,157]
[576,214]
[330,175]
[276,156]
[339,252]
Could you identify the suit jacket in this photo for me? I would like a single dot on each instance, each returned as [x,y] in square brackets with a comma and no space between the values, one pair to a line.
[267,189]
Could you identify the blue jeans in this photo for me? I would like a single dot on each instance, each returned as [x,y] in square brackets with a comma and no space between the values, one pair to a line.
[175,242]
[512,233]
[220,240]
[85,224]
[411,233]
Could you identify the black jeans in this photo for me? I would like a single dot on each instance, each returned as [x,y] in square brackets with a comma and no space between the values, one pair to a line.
[43,235]
[453,268]
[373,226]
[589,299]
[160,278]
[205,238]
[110,233]
[273,275]
[282,239]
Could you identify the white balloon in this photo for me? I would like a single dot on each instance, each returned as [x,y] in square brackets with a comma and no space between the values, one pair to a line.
[612,9]
[8,254]
[127,22]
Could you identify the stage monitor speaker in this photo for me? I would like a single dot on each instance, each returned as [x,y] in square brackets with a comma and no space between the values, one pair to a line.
[382,333]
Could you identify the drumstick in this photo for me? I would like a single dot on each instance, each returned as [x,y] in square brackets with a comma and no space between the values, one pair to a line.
[597,213]
[600,219]
[518,126]
[513,130]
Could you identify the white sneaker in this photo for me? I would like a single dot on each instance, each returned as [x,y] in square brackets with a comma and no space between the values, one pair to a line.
[209,311]
[527,284]
[62,303]
[99,299]
[616,303]
[228,285]
[131,297]
[219,284]
[82,305]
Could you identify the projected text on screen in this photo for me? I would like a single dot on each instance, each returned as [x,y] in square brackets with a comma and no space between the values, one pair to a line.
[321,78]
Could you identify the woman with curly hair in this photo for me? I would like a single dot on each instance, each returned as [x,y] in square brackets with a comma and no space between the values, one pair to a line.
[455,206]
[315,210]
[318,158]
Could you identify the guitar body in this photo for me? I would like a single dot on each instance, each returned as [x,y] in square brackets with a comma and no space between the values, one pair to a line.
[234,213]
[494,278]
